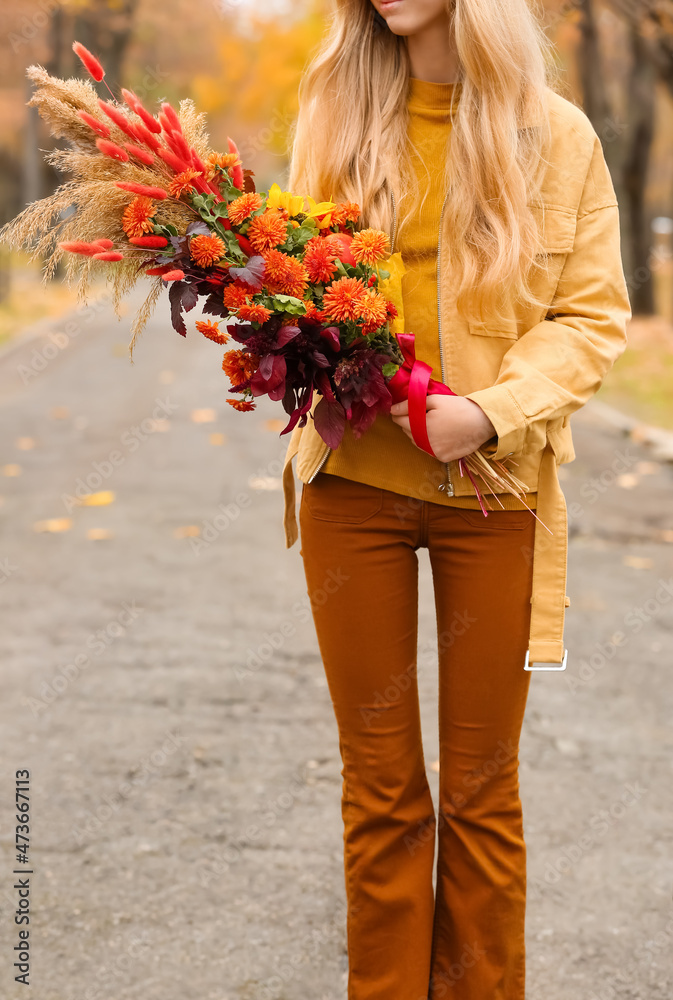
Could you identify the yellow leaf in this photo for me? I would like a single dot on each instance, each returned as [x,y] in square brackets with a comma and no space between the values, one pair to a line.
[101,499]
[217,439]
[98,534]
[11,470]
[205,416]
[187,531]
[392,288]
[54,524]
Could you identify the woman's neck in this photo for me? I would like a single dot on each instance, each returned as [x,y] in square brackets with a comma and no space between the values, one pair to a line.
[432,52]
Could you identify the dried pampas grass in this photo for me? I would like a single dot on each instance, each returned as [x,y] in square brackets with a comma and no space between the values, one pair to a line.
[88,205]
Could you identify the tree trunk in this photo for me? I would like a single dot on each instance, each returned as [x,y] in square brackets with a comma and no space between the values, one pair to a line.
[641,107]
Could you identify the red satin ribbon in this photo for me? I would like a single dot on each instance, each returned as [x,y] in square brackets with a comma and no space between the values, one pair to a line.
[413,382]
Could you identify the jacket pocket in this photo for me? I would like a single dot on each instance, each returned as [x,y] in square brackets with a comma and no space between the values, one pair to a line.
[557,227]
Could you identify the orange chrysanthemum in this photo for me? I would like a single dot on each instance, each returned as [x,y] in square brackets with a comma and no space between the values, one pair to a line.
[319,258]
[225,161]
[267,230]
[369,246]
[239,366]
[235,296]
[284,274]
[137,217]
[242,207]
[343,299]
[312,312]
[373,310]
[182,182]
[345,211]
[206,250]
[255,312]
[212,331]
[241,404]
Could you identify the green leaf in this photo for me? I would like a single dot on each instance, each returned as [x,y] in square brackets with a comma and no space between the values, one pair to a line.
[289,304]
[389,369]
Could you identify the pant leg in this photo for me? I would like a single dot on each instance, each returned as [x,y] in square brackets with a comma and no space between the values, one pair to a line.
[483,583]
[367,634]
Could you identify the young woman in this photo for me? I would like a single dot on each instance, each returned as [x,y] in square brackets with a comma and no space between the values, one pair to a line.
[439,119]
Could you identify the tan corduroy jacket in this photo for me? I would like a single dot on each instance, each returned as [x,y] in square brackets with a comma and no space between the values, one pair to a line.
[530,373]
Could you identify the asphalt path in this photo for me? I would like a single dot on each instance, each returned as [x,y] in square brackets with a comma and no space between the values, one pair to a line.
[162,685]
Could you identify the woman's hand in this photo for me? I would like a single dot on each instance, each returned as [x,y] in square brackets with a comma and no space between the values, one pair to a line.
[456,426]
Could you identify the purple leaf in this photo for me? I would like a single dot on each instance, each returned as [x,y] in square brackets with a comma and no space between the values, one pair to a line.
[286,334]
[175,299]
[330,421]
[199,228]
[252,273]
[331,334]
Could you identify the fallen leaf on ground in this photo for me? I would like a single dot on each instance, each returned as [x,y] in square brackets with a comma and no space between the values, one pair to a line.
[205,416]
[648,468]
[59,413]
[627,480]
[638,562]
[265,483]
[187,531]
[217,438]
[100,499]
[98,534]
[54,524]
[12,470]
[274,424]
[25,443]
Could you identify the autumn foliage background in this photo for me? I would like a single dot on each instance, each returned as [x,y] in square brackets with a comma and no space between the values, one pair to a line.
[241,62]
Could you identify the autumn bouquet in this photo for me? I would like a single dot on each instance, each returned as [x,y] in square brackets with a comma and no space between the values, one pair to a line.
[313,301]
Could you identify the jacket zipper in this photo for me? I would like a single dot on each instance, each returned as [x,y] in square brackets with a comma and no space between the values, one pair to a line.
[392,248]
[448,485]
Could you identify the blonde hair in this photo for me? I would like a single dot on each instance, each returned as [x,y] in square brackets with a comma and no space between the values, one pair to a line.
[349,140]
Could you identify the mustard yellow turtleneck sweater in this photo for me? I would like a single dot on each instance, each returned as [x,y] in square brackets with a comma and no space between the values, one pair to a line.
[385,456]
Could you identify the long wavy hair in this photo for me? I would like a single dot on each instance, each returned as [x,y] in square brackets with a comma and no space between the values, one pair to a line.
[349,139]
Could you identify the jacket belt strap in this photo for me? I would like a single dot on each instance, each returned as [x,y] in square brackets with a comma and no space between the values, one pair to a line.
[550,552]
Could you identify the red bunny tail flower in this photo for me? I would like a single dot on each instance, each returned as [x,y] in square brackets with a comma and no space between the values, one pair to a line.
[112,149]
[172,117]
[93,123]
[104,243]
[89,60]
[118,117]
[176,275]
[176,163]
[146,189]
[177,143]
[144,134]
[150,242]
[140,154]
[108,255]
[237,169]
[135,104]
[163,269]
[80,246]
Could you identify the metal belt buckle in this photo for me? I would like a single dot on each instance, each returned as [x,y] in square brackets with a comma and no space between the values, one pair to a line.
[535,665]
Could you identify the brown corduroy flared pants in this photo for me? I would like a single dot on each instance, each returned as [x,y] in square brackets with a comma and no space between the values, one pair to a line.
[406,940]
